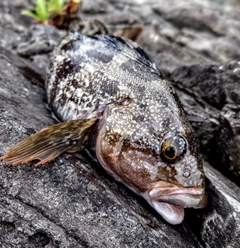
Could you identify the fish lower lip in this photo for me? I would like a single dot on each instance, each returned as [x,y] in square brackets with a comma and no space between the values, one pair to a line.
[171,207]
[171,213]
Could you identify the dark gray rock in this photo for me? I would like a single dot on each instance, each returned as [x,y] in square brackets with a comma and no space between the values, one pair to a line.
[38,42]
[72,202]
[40,39]
[219,223]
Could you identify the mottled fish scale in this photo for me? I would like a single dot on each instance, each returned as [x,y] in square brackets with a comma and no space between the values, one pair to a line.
[91,84]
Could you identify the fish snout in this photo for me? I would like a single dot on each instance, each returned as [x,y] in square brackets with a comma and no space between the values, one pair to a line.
[186,200]
[185,197]
[169,200]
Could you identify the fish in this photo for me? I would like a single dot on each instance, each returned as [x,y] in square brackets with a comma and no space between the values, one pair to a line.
[112,100]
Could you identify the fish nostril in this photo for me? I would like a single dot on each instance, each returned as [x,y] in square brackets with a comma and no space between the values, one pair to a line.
[186,173]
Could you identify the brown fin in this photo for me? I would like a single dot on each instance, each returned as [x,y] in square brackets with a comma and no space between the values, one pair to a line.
[131,33]
[50,142]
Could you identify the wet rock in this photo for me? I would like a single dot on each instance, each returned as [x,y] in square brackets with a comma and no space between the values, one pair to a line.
[219,223]
[38,42]
[186,32]
[40,39]
[94,7]
[10,31]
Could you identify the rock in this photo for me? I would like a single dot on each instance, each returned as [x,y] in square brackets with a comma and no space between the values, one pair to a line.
[72,202]
[40,39]
[219,222]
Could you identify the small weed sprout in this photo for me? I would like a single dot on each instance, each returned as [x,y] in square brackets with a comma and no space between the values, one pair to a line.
[44,9]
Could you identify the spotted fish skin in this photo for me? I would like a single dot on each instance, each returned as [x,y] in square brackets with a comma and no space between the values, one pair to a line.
[77,84]
[87,74]
[114,101]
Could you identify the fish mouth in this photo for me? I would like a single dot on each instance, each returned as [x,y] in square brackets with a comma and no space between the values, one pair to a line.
[169,200]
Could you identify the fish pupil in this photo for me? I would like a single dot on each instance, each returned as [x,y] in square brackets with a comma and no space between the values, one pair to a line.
[170,152]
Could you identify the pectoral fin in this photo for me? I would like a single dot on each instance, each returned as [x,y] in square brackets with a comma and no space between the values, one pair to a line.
[50,142]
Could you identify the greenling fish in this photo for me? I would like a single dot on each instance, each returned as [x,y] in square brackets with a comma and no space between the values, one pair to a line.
[115,103]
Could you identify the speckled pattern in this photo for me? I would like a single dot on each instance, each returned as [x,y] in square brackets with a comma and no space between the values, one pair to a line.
[89,75]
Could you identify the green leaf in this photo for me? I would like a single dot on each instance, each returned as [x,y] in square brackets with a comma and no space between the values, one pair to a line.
[41,7]
[45,8]
[31,14]
[59,3]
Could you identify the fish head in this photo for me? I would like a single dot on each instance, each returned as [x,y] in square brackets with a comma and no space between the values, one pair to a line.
[164,167]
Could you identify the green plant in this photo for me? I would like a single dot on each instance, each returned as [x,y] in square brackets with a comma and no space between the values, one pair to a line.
[56,6]
[44,9]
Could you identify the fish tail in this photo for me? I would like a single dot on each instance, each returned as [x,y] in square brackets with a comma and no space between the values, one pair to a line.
[50,142]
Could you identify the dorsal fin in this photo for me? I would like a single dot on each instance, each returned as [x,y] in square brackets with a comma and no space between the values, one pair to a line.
[130,49]
[127,47]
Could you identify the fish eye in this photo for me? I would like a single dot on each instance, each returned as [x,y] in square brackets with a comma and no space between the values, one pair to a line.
[173,149]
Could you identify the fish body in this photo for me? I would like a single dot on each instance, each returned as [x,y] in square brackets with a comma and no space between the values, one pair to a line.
[122,109]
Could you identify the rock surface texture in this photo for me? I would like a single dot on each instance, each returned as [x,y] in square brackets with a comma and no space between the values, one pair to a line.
[72,202]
